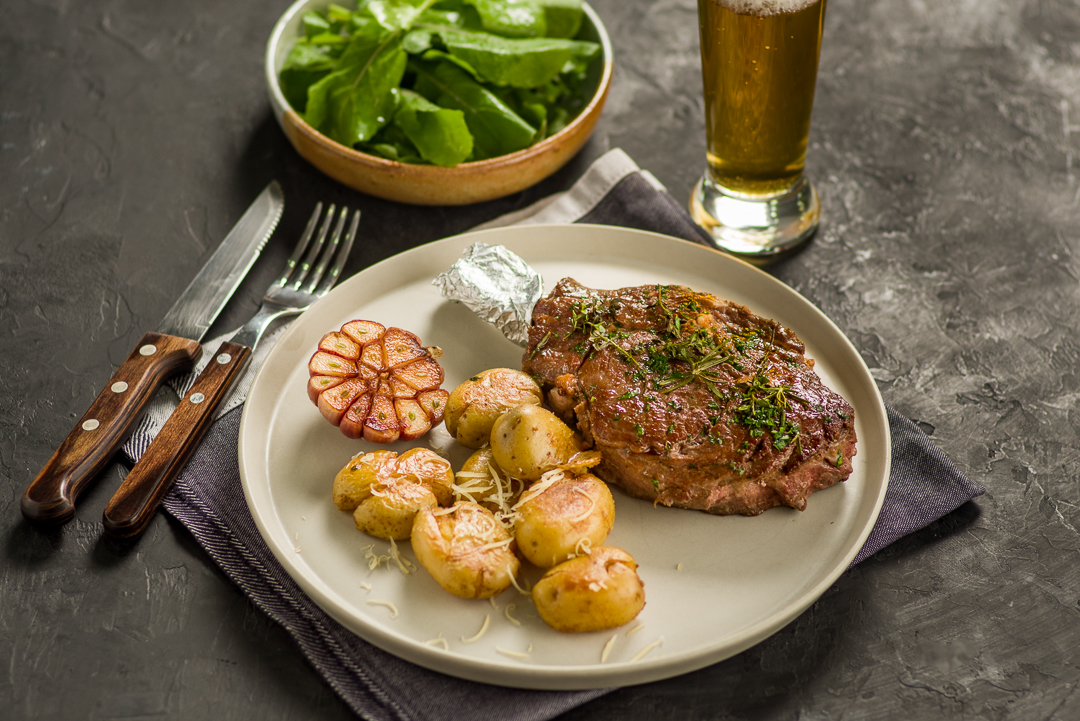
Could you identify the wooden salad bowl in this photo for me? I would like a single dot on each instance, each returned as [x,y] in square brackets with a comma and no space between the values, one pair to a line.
[430,184]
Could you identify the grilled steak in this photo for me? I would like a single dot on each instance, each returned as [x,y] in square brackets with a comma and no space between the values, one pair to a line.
[694,401]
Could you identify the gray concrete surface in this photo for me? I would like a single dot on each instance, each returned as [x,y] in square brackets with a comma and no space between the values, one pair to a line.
[945,144]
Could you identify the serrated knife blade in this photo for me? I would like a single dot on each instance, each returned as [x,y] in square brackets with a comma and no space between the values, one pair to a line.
[173,349]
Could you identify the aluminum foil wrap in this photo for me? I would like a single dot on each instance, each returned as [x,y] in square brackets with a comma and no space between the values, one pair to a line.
[497,285]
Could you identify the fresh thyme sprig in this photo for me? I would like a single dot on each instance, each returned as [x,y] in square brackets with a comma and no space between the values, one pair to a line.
[588,319]
[763,407]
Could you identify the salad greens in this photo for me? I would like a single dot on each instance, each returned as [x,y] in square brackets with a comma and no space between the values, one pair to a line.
[440,81]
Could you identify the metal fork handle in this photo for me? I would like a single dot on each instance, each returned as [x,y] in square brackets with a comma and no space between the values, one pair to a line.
[253,330]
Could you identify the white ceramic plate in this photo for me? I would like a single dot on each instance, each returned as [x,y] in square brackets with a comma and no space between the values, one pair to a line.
[714,585]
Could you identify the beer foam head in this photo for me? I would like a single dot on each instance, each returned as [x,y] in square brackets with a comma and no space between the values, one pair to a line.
[764,8]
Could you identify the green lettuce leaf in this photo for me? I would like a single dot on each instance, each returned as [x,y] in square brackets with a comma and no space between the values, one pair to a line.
[495,127]
[519,63]
[315,24]
[512,19]
[486,80]
[395,15]
[391,143]
[352,103]
[305,65]
[563,17]
[440,134]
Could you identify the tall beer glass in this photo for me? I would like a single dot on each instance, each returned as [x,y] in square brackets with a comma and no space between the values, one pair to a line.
[759,61]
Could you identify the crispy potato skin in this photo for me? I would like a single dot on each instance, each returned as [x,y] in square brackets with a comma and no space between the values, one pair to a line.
[475,405]
[384,490]
[429,469]
[448,547]
[390,511]
[590,593]
[552,524]
[482,461]
[528,440]
[352,484]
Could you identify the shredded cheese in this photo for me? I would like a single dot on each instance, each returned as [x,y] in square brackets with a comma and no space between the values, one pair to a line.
[546,481]
[438,641]
[405,565]
[635,629]
[366,586]
[481,632]
[592,504]
[489,546]
[678,567]
[645,651]
[392,607]
[583,547]
[373,559]
[511,654]
[510,618]
[607,648]
[513,580]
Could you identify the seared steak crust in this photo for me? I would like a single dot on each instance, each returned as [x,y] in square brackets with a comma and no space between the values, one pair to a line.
[694,401]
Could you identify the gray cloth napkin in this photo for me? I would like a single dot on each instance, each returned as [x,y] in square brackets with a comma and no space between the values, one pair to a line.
[208,500]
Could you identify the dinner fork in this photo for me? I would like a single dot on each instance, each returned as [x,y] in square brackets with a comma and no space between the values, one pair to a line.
[310,273]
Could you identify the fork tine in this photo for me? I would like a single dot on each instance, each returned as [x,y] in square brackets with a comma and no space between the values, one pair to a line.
[342,256]
[327,253]
[299,249]
[296,280]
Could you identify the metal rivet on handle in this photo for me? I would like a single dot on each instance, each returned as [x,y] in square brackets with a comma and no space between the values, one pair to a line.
[118,387]
[91,424]
[197,398]
[224,358]
[148,349]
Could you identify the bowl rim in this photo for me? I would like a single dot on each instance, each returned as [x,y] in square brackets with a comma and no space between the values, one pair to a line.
[282,106]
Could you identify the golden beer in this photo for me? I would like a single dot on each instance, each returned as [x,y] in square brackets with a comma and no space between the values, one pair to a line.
[759,64]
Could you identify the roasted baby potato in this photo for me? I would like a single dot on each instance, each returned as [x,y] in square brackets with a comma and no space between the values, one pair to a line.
[385,490]
[590,593]
[480,480]
[352,484]
[428,468]
[475,405]
[563,518]
[528,440]
[391,508]
[465,550]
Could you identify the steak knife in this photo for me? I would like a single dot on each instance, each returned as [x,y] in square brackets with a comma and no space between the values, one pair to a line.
[172,349]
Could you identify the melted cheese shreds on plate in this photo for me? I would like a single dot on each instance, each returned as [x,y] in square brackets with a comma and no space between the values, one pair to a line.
[481,632]
[387,604]
[645,651]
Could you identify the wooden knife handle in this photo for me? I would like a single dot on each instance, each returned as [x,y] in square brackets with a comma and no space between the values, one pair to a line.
[112,416]
[134,503]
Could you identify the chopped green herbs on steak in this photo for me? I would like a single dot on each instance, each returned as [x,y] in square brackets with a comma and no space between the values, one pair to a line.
[693,401]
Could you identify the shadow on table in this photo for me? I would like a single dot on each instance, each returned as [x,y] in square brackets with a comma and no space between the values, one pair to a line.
[33,544]
[771,679]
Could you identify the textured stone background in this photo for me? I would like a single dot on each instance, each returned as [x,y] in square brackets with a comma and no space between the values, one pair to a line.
[132,133]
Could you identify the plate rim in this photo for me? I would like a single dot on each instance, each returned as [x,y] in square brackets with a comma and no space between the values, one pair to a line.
[568,677]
